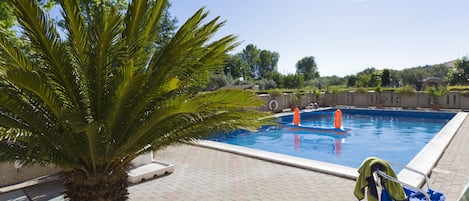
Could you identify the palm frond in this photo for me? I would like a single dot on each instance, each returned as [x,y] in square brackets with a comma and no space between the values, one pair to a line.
[27,110]
[212,60]
[211,112]
[134,23]
[184,50]
[76,32]
[104,50]
[12,56]
[126,97]
[141,24]
[43,36]
[31,82]
[32,148]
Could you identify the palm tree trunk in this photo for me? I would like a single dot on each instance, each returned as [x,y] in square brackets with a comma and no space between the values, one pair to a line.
[104,186]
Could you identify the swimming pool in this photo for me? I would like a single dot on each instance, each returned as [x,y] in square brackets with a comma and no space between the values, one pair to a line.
[393,135]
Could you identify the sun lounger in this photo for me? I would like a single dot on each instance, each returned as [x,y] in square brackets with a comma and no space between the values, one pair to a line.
[376,174]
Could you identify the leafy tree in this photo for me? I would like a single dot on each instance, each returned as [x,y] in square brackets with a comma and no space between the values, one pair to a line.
[93,102]
[368,71]
[167,22]
[252,63]
[267,62]
[242,82]
[293,81]
[453,77]
[385,78]
[394,78]
[351,80]
[411,76]
[459,74]
[276,77]
[218,80]
[332,80]
[307,66]
[237,67]
[363,80]
[439,71]
[266,84]
[7,19]
[368,78]
[250,55]
[376,79]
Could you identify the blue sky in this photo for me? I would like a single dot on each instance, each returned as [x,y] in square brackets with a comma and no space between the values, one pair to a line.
[344,36]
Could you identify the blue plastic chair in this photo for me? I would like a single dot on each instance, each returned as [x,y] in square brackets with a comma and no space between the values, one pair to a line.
[412,193]
[415,195]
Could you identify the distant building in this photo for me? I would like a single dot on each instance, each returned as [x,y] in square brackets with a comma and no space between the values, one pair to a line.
[422,84]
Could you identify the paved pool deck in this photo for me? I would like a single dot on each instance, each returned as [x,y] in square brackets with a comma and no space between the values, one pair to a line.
[208,174]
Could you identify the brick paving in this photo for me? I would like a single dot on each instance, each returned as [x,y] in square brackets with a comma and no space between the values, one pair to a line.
[206,174]
[451,174]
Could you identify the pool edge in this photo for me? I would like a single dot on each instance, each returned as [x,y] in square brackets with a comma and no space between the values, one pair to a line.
[308,164]
[424,161]
[427,158]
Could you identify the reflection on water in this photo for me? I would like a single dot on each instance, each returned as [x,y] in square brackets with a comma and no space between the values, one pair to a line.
[395,138]
[332,146]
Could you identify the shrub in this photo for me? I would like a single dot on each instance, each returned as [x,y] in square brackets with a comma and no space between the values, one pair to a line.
[316,93]
[405,91]
[436,93]
[275,93]
[361,90]
[458,88]
[464,93]
[266,84]
[295,99]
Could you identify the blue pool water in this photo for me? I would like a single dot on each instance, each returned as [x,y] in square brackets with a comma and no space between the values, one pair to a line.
[393,135]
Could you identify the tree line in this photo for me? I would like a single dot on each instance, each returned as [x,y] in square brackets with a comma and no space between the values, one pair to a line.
[258,66]
[255,66]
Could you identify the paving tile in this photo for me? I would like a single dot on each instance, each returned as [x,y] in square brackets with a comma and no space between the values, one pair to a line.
[205,174]
[451,173]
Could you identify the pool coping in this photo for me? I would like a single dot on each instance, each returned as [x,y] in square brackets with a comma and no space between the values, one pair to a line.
[424,161]
[314,165]
[429,155]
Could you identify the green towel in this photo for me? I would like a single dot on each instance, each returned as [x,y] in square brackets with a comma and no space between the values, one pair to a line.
[395,189]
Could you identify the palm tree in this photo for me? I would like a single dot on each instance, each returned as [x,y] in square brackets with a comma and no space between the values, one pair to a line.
[91,101]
